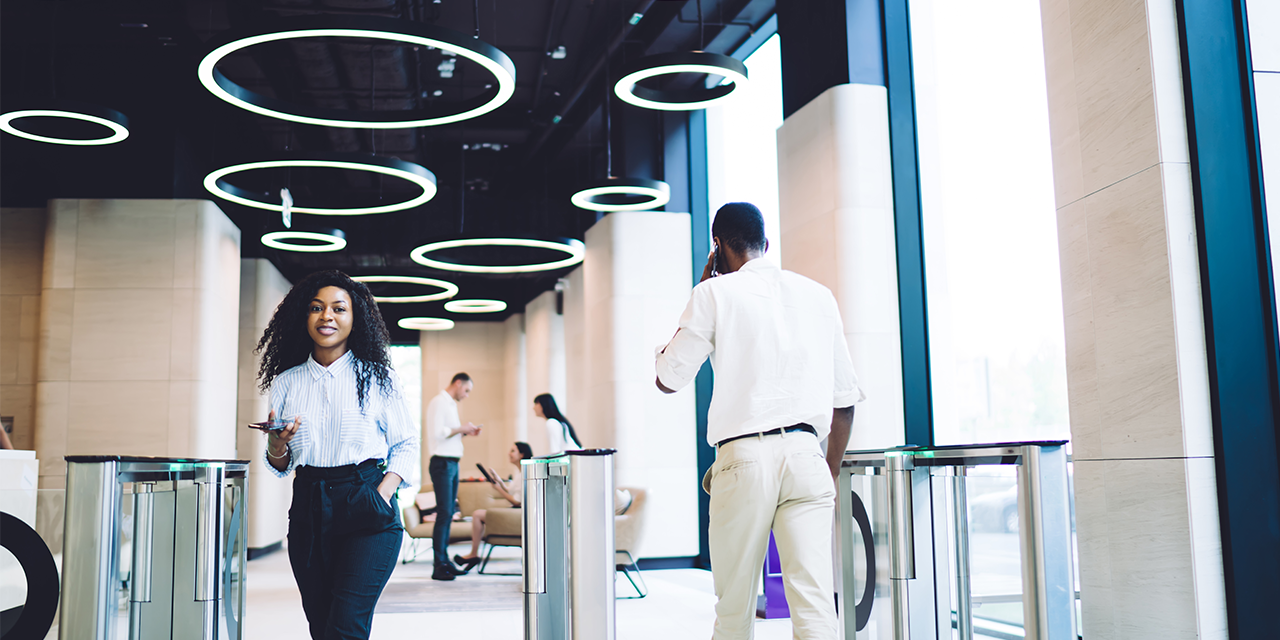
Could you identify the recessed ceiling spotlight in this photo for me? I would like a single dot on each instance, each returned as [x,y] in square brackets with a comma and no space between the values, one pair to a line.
[623,194]
[475,306]
[317,241]
[447,289]
[416,174]
[369,28]
[425,324]
[574,248]
[115,122]
[630,91]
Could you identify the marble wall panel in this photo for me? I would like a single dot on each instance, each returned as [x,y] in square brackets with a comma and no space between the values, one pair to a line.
[1064,126]
[123,363]
[121,334]
[125,418]
[53,356]
[60,245]
[1115,96]
[21,271]
[1133,319]
[125,244]
[21,250]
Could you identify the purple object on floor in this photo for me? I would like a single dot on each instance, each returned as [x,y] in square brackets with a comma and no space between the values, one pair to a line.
[773,604]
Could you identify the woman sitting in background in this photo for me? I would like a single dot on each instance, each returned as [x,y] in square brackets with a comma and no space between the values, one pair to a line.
[560,433]
[519,451]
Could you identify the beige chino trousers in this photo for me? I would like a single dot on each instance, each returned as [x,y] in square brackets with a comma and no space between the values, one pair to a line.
[779,483]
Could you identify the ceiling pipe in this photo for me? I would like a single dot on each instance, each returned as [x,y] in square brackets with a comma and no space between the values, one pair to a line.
[546,53]
[641,9]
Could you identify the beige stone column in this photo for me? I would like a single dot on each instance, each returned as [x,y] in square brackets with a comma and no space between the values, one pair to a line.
[21,259]
[545,364]
[1146,508]
[138,331]
[262,287]
[634,286]
[836,200]
[479,349]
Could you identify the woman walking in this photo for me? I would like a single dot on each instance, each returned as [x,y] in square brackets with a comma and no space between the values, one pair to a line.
[349,440]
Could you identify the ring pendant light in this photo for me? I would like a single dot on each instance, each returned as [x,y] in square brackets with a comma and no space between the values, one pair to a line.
[447,289]
[475,306]
[605,197]
[416,174]
[368,27]
[330,239]
[574,248]
[425,324]
[115,122]
[619,194]
[630,91]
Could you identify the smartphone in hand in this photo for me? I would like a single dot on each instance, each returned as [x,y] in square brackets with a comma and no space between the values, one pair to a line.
[270,425]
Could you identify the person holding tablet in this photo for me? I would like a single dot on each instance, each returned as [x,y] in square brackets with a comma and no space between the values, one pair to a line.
[560,434]
[349,440]
[512,492]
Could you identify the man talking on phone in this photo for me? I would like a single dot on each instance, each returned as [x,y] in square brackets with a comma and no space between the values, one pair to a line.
[445,431]
[784,382]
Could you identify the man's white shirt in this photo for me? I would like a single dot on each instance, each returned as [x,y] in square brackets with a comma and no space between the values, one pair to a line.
[442,417]
[782,357]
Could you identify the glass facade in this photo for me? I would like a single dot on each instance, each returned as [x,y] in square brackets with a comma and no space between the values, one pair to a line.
[990,234]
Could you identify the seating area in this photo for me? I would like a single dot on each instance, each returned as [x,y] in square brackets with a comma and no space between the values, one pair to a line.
[503,528]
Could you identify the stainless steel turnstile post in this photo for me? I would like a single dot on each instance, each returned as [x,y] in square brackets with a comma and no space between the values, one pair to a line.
[894,519]
[182,578]
[568,547]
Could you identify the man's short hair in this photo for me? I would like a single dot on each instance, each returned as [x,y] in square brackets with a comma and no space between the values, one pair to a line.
[740,227]
[460,376]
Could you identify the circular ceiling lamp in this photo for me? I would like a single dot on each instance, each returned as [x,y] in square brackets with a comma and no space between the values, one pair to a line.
[623,194]
[370,28]
[696,97]
[447,289]
[475,306]
[116,123]
[316,241]
[217,185]
[573,248]
[425,324]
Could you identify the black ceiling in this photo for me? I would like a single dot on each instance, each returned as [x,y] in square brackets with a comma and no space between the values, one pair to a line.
[507,173]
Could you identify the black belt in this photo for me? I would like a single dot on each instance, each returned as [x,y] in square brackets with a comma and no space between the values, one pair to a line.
[772,432]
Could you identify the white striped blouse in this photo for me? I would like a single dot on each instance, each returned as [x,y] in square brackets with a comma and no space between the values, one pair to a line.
[334,430]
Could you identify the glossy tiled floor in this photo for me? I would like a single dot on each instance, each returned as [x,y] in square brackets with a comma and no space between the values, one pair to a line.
[679,606]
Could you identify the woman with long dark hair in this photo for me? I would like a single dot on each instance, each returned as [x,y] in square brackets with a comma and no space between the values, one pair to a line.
[560,433]
[350,441]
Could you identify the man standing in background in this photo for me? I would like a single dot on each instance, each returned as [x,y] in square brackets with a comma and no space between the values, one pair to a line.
[784,382]
[445,432]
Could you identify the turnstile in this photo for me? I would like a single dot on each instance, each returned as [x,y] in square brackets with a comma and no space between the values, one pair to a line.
[181,573]
[904,543]
[569,564]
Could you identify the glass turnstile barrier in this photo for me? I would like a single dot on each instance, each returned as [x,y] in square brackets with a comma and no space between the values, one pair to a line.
[568,546]
[153,548]
[922,555]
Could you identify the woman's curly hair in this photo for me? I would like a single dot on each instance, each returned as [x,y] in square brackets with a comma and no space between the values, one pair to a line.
[286,343]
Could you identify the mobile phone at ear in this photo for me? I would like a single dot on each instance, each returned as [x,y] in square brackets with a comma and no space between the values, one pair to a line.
[715,263]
